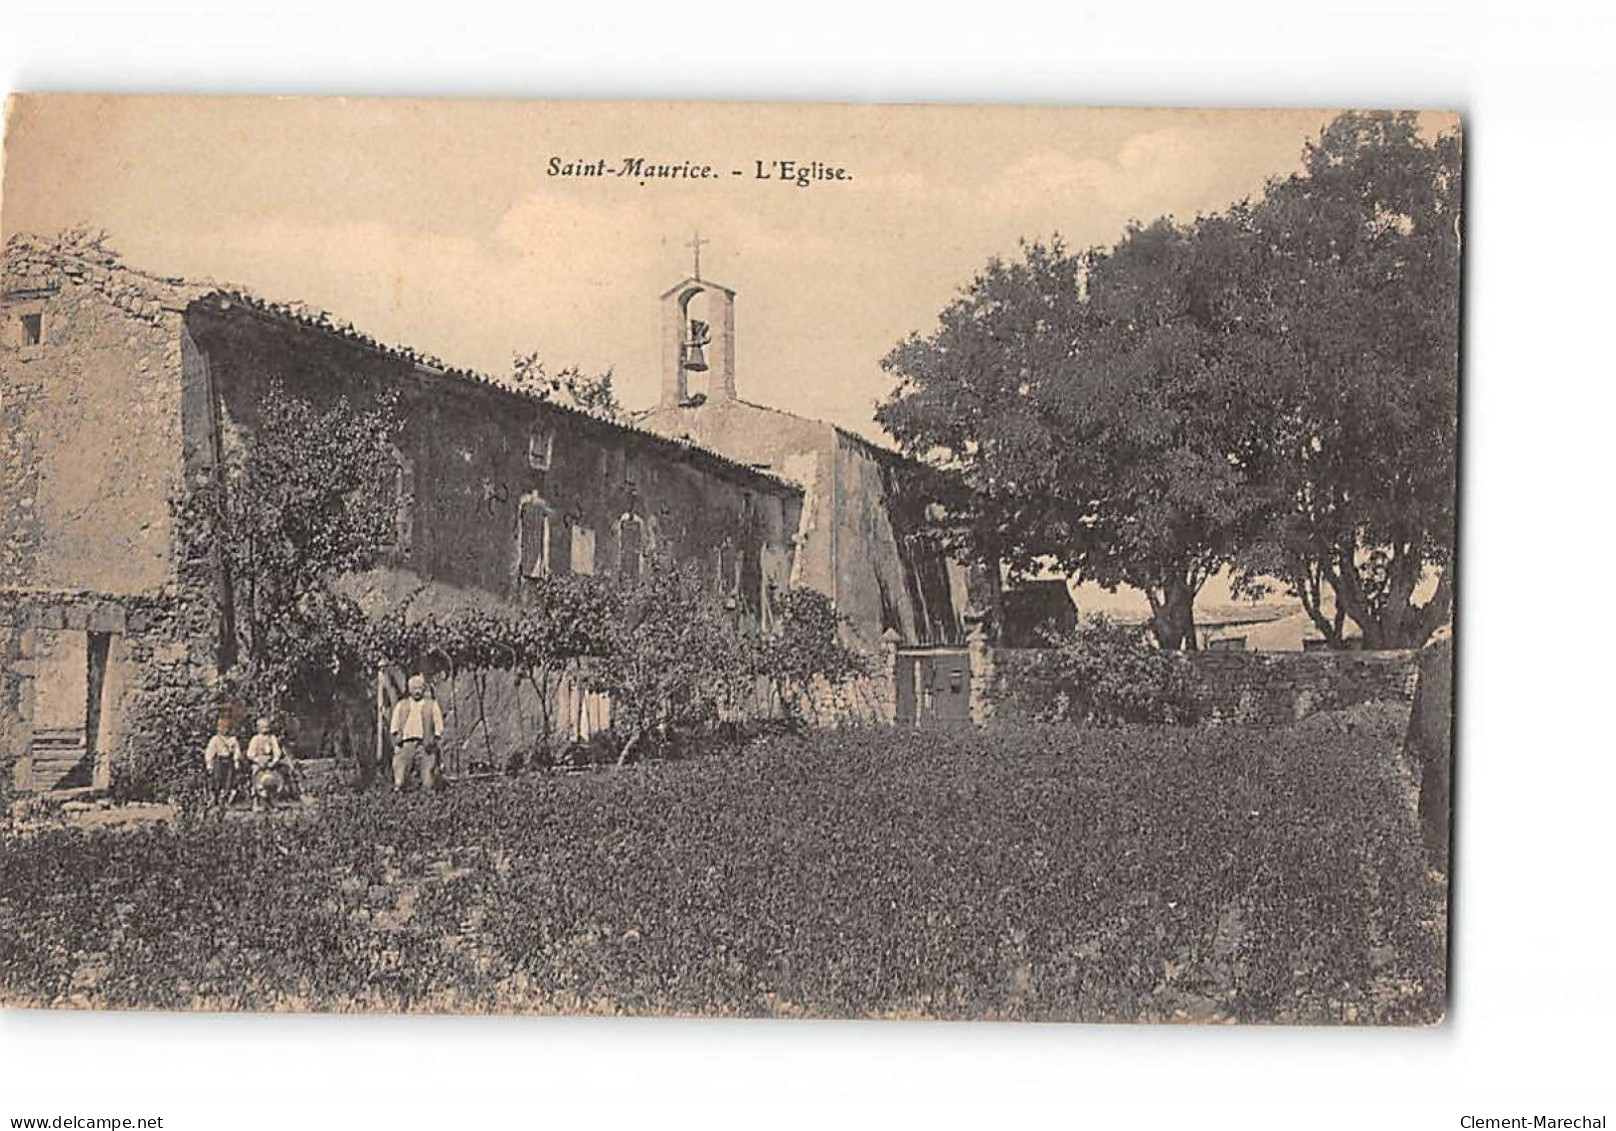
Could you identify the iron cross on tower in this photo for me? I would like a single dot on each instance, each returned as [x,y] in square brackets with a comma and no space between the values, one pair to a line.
[695,246]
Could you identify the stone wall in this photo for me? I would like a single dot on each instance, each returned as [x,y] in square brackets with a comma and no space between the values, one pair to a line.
[1429,746]
[1275,688]
[1263,689]
[857,541]
[479,455]
[90,432]
[493,474]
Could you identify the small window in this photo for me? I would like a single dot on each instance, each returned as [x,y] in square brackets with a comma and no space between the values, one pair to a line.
[540,448]
[583,549]
[729,569]
[33,327]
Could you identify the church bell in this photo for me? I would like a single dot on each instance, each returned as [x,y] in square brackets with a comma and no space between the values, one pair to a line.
[694,357]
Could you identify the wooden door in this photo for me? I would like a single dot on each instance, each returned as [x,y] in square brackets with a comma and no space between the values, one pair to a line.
[934,685]
[950,681]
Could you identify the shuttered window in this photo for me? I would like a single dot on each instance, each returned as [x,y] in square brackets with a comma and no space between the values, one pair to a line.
[630,547]
[540,448]
[533,537]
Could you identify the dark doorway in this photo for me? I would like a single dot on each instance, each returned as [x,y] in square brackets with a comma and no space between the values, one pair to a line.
[69,679]
[95,673]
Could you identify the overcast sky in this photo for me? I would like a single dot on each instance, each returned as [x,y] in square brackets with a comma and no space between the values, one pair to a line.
[434,224]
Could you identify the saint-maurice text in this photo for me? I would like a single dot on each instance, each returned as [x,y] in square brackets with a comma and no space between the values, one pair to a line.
[643,169]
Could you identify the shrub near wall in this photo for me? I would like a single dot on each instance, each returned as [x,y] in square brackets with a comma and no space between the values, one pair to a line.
[1103,673]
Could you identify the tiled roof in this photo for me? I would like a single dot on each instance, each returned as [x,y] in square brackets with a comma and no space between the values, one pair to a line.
[890,456]
[34,263]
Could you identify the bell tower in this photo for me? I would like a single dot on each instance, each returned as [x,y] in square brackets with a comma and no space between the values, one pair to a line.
[691,345]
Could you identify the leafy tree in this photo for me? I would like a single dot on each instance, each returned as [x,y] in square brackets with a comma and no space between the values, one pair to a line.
[1154,474]
[970,399]
[805,650]
[591,392]
[1272,388]
[677,661]
[309,496]
[1351,316]
[1071,393]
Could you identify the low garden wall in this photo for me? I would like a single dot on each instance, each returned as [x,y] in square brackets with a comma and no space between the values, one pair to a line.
[1275,688]
[1263,689]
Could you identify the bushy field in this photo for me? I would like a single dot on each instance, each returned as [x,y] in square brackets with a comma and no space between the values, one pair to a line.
[1044,873]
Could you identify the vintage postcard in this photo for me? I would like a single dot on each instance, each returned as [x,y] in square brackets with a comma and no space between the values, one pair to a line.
[727,559]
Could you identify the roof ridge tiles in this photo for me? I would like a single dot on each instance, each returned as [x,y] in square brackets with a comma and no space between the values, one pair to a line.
[88,252]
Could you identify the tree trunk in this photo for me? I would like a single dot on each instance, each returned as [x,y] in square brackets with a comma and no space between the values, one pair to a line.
[1401,624]
[1172,616]
[479,681]
[1308,586]
[991,568]
[1438,610]
[622,759]
[1185,603]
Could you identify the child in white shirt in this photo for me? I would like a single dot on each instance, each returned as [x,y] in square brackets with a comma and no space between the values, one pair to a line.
[272,770]
[222,760]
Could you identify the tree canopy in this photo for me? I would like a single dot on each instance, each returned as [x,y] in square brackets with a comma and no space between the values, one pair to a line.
[1354,325]
[1271,389]
[593,393]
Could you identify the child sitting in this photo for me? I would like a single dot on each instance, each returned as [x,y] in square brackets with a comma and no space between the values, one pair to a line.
[272,769]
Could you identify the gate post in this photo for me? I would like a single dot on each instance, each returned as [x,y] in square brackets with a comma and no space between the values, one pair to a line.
[982,675]
[888,704]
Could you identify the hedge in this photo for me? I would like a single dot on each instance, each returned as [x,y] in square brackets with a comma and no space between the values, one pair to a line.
[1033,873]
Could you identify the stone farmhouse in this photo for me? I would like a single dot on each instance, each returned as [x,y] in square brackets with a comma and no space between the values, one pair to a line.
[120,386]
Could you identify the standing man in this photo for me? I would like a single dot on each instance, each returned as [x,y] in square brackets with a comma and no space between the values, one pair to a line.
[417,727]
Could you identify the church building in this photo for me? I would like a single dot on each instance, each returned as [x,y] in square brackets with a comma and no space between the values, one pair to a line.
[861,536]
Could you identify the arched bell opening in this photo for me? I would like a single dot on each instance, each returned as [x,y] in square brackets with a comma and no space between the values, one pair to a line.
[696,343]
